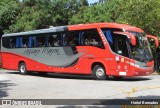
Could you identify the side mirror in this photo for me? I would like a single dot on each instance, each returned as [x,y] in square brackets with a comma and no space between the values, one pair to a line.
[129,36]
[155,39]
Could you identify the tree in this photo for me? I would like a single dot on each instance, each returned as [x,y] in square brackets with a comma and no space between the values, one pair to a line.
[38,14]
[102,12]
[9,9]
[65,10]
[142,13]
[35,14]
[16,16]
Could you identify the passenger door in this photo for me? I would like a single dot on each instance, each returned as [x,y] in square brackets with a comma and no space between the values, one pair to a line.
[121,57]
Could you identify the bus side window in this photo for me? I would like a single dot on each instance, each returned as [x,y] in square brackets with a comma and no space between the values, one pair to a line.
[73,38]
[80,38]
[57,41]
[25,42]
[30,42]
[92,38]
[65,39]
[40,40]
[86,40]
[11,42]
[50,40]
[8,42]
[54,40]
[19,42]
[94,42]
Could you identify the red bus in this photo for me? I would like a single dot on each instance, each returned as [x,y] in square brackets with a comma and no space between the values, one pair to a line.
[99,49]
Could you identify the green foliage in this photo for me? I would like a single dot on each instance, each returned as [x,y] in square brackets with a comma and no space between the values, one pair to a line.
[66,9]
[143,14]
[37,14]
[8,12]
[16,16]
[107,12]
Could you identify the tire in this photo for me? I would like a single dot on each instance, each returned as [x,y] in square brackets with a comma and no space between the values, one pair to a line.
[99,72]
[22,68]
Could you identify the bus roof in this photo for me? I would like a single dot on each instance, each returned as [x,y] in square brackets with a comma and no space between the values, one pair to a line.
[78,27]
[105,25]
[40,31]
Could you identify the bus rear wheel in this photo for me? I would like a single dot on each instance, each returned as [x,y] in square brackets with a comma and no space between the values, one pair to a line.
[22,68]
[99,72]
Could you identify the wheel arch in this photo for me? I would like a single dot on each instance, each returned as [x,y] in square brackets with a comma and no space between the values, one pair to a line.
[21,61]
[98,63]
[22,67]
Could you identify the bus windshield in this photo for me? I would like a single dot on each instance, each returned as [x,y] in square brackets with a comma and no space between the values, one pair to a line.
[141,51]
[120,45]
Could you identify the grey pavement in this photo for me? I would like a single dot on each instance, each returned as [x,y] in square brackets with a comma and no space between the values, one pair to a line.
[62,86]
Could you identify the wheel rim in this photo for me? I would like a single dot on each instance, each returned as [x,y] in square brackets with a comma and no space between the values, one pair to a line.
[22,68]
[100,72]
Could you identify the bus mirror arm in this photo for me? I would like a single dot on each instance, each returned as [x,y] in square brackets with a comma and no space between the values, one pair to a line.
[155,39]
[129,36]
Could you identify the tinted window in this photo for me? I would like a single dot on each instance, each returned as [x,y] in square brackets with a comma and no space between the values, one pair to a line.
[9,42]
[71,38]
[118,43]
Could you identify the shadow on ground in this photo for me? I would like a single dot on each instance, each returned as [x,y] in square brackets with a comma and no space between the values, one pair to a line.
[114,103]
[4,87]
[145,97]
[81,77]
[92,106]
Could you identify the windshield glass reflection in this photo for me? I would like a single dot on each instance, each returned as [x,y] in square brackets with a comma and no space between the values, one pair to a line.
[141,51]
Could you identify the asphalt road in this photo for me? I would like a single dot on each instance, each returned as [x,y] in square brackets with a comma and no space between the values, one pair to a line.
[60,86]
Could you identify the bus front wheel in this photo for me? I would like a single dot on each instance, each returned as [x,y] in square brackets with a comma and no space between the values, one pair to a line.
[22,68]
[99,72]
